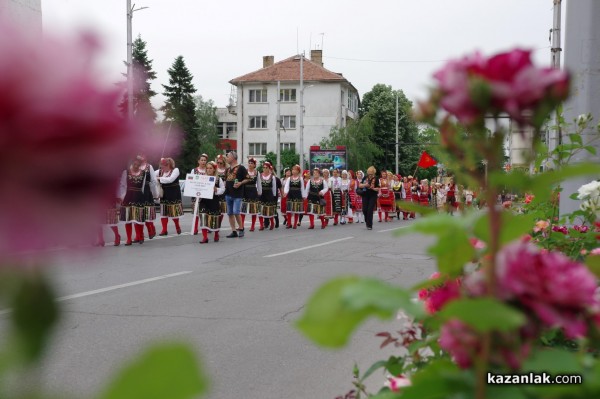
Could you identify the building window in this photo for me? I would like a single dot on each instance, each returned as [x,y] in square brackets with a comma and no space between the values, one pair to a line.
[288,121]
[287,146]
[258,96]
[258,122]
[257,149]
[221,129]
[287,95]
[352,102]
[231,129]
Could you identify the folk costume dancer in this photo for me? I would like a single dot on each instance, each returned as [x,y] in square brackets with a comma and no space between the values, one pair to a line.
[306,180]
[171,206]
[451,198]
[294,195]
[357,202]
[346,208]
[406,195]
[211,209]
[385,201]
[316,190]
[328,208]
[398,189]
[113,214]
[415,194]
[135,208]
[287,173]
[199,170]
[268,196]
[221,171]
[250,200]
[335,187]
[424,193]
[150,191]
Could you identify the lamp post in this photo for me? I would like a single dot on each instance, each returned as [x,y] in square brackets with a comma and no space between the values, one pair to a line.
[301,119]
[130,11]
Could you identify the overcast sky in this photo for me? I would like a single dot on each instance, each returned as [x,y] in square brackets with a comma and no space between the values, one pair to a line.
[395,42]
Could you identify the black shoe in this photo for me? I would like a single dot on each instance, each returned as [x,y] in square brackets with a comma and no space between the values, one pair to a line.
[233,234]
[204,241]
[241,233]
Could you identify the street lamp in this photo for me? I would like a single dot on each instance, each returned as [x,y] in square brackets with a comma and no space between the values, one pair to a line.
[130,11]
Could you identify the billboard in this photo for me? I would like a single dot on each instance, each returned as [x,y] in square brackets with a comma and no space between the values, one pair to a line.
[328,159]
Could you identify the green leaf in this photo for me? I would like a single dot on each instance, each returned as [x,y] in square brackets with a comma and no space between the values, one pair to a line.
[483,314]
[576,138]
[34,314]
[386,394]
[339,306]
[512,226]
[590,149]
[374,367]
[440,379]
[593,263]
[167,370]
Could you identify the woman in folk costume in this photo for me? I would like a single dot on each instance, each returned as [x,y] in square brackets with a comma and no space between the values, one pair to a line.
[415,191]
[293,194]
[424,193]
[346,208]
[221,172]
[328,208]
[397,188]
[287,173]
[211,209]
[170,203]
[406,195]
[385,200]
[151,193]
[135,209]
[316,190]
[306,181]
[267,196]
[335,187]
[199,170]
[113,213]
[451,198]
[357,201]
[250,200]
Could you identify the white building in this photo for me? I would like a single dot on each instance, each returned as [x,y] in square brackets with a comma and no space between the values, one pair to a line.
[329,101]
[26,13]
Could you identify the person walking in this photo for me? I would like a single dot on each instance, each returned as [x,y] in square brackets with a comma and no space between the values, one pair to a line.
[293,193]
[250,199]
[210,218]
[221,172]
[198,170]
[357,202]
[233,194]
[371,184]
[268,196]
[316,190]
[171,206]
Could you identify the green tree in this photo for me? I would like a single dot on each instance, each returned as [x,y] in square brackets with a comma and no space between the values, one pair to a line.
[358,137]
[380,105]
[206,118]
[180,109]
[289,158]
[142,75]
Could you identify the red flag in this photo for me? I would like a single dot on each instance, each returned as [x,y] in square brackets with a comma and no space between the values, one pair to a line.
[426,161]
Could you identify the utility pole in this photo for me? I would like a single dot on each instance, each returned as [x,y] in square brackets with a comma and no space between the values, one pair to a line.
[278,127]
[301,119]
[555,54]
[130,11]
[397,121]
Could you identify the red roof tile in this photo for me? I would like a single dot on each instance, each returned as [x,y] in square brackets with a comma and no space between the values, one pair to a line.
[289,70]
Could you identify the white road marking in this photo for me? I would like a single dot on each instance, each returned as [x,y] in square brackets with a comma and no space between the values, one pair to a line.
[395,228]
[116,287]
[309,247]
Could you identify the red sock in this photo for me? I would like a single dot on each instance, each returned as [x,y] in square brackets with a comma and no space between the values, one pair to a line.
[176,221]
[253,222]
[379,214]
[295,220]
[335,219]
[196,225]
[261,221]
[205,234]
[323,221]
[115,230]
[128,231]
[288,219]
[312,220]
[243,219]
[149,226]
[164,222]
[216,235]
[139,231]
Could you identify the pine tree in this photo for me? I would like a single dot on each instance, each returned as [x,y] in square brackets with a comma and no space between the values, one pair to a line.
[180,109]
[142,74]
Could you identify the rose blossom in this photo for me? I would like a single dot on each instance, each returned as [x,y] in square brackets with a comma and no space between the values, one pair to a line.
[63,143]
[436,297]
[555,288]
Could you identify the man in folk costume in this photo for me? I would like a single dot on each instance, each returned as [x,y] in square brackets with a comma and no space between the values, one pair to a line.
[335,187]
[293,193]
[171,206]
[250,200]
[328,208]
[317,188]
[210,218]
[150,191]
[268,196]
[135,209]
[199,170]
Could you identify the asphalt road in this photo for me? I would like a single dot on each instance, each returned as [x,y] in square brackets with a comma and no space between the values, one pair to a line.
[234,301]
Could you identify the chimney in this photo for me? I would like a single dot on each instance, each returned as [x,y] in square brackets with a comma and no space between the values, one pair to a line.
[316,56]
[268,60]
